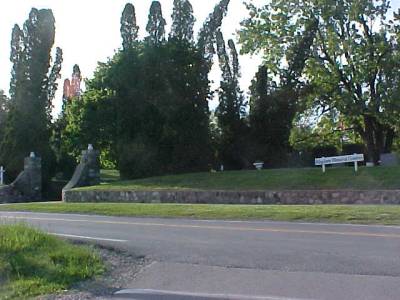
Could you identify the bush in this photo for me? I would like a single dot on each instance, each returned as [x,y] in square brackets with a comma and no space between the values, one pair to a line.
[324,151]
[349,149]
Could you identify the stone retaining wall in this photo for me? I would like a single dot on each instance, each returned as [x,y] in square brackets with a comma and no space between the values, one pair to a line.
[239,197]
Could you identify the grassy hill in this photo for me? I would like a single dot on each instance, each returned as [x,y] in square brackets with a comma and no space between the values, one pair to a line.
[275,179]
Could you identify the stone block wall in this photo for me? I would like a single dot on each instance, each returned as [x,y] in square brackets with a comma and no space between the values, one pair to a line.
[239,197]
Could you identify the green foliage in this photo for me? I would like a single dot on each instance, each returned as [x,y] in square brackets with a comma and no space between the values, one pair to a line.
[231,108]
[148,106]
[156,24]
[328,130]
[353,59]
[206,36]
[32,88]
[271,113]
[129,29]
[90,119]
[34,263]
[3,112]
[273,105]
[182,21]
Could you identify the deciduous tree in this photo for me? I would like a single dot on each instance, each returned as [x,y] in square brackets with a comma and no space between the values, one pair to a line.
[353,64]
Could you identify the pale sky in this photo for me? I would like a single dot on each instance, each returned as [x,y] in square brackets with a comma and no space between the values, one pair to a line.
[88,32]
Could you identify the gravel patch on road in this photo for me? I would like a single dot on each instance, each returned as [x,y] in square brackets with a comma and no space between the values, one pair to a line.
[121,269]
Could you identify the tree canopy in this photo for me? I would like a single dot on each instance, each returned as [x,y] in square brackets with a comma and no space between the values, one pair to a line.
[352,65]
[147,107]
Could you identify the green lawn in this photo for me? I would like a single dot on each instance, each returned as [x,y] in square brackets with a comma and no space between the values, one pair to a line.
[109,175]
[358,214]
[34,263]
[278,179]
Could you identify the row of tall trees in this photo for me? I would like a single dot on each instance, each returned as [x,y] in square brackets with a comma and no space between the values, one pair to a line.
[147,107]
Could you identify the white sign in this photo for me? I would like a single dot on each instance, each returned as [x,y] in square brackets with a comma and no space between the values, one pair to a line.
[339,159]
[355,158]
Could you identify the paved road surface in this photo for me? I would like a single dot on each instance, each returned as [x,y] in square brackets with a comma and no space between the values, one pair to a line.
[271,260]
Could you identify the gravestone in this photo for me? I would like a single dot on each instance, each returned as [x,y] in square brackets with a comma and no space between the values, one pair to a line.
[389,159]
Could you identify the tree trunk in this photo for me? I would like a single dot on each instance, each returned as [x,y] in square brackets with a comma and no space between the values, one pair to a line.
[378,138]
[369,139]
[390,135]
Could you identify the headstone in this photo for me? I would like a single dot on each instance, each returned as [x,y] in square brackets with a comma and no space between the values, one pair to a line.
[389,159]
[259,165]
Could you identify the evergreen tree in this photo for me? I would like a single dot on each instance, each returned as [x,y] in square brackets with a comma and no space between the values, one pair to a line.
[231,108]
[182,21]
[156,24]
[16,58]
[129,29]
[273,108]
[32,87]
[270,120]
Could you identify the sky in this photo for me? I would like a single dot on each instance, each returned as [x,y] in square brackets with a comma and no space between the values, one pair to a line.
[88,32]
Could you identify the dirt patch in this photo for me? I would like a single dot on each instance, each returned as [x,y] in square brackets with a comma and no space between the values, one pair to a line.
[122,268]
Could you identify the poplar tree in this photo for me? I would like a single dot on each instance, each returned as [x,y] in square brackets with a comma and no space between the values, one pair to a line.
[129,29]
[156,24]
[231,107]
[207,39]
[32,88]
[182,21]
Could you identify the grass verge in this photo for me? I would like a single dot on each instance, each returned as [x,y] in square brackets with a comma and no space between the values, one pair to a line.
[34,263]
[357,214]
[277,179]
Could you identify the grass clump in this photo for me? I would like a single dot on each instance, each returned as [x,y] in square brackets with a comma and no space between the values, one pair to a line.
[34,263]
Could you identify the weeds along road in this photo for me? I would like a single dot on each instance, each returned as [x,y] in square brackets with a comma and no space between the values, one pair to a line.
[278,260]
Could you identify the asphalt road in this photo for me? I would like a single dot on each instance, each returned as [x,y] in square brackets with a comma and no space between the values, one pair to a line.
[264,260]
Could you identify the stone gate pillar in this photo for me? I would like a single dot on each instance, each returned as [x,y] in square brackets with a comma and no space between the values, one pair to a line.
[87,173]
[29,181]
